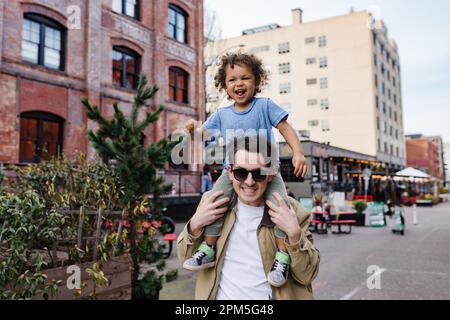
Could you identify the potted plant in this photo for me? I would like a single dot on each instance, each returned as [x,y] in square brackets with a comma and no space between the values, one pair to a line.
[360,206]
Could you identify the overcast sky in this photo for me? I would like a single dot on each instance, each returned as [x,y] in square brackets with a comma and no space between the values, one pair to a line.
[420,28]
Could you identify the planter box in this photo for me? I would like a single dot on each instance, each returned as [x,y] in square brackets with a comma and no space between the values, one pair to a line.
[117,270]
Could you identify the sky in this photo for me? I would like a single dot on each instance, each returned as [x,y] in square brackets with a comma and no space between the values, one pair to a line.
[421,29]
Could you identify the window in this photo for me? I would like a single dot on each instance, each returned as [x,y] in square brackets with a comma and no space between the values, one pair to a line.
[385,126]
[378,123]
[285,88]
[42,42]
[310,61]
[325,125]
[323,62]
[259,49]
[178,85]
[324,104]
[385,147]
[396,151]
[127,7]
[377,102]
[396,133]
[383,88]
[283,48]
[177,26]
[392,150]
[322,41]
[310,40]
[125,67]
[395,116]
[376,81]
[379,144]
[388,75]
[41,136]
[375,59]
[382,69]
[313,123]
[384,107]
[391,131]
[389,94]
[394,84]
[311,102]
[311,81]
[323,83]
[284,68]
[390,113]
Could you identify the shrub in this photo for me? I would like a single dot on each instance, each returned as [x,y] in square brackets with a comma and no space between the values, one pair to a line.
[360,206]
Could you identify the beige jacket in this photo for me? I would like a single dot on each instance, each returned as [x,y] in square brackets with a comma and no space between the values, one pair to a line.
[304,256]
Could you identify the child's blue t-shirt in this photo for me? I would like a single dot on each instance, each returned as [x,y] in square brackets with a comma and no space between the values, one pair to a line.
[259,118]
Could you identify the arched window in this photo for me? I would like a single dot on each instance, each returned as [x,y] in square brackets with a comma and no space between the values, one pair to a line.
[177,24]
[43,41]
[41,136]
[126,66]
[178,85]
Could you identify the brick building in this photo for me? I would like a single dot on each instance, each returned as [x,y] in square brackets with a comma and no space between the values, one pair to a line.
[423,154]
[55,52]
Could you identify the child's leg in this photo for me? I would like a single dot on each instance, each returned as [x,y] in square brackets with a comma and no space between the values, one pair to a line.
[277,185]
[280,268]
[204,257]
[214,230]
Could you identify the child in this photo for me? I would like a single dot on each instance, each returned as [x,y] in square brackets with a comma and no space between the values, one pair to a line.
[242,75]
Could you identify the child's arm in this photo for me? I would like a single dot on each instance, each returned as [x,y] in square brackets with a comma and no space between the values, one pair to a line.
[298,158]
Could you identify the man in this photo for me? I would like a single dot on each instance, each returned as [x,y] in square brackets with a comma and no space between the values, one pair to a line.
[246,248]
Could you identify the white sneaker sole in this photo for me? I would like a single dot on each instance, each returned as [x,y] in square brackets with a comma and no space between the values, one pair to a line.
[275,284]
[198,268]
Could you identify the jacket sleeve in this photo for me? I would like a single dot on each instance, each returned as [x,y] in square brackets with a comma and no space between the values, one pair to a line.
[186,242]
[305,258]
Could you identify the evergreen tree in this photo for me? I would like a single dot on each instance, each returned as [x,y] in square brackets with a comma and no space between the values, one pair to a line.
[119,141]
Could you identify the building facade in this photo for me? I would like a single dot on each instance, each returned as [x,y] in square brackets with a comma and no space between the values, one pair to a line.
[339,78]
[447,163]
[423,154]
[53,53]
[427,154]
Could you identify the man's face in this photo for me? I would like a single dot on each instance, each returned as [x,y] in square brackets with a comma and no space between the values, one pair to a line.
[249,191]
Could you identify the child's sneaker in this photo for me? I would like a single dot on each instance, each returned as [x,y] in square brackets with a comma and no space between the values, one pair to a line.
[279,273]
[203,258]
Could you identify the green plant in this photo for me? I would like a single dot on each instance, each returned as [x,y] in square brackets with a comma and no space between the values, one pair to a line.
[25,224]
[443,190]
[360,206]
[118,140]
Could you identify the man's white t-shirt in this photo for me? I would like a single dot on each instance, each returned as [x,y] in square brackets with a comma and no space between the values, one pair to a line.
[243,276]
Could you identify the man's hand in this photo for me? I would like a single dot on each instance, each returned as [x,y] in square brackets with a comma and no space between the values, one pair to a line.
[300,166]
[284,218]
[208,212]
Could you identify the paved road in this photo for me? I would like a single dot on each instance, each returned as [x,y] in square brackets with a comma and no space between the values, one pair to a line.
[413,266]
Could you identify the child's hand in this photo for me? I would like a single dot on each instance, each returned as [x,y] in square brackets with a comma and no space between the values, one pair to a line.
[190,125]
[300,166]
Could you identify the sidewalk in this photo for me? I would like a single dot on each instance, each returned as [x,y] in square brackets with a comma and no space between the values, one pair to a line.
[183,287]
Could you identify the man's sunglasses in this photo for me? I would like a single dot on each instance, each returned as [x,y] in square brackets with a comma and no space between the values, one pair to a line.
[241,174]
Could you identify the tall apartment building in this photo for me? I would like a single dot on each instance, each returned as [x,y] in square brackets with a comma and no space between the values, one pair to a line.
[338,78]
[53,53]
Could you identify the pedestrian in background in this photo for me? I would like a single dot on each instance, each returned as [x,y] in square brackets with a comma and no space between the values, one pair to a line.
[207,182]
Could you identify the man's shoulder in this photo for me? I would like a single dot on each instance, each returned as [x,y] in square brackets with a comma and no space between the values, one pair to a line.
[299,210]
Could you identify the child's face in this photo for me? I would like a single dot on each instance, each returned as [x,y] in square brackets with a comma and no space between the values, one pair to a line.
[240,84]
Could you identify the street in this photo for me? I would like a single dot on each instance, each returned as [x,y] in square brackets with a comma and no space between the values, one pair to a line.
[413,266]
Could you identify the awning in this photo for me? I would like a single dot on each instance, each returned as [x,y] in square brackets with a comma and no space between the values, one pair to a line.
[412,173]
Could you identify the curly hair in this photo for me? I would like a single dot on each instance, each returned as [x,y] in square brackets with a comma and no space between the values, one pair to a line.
[241,58]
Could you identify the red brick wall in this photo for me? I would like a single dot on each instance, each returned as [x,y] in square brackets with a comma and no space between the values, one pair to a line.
[422,154]
[88,68]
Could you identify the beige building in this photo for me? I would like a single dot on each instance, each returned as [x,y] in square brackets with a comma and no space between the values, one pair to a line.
[339,78]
